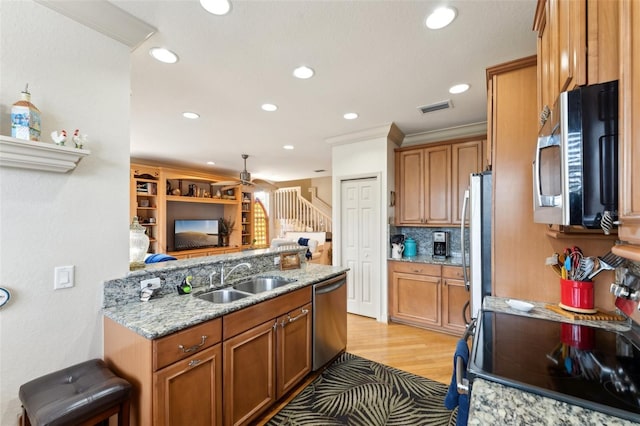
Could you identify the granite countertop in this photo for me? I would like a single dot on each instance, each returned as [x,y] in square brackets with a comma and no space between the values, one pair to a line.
[172,312]
[493,403]
[451,261]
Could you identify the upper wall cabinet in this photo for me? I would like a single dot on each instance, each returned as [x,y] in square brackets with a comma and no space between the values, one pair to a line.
[577,45]
[629,198]
[431,181]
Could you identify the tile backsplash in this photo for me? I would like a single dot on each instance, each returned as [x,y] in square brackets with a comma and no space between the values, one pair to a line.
[424,238]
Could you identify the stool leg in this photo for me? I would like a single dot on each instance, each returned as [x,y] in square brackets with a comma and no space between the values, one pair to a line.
[123,415]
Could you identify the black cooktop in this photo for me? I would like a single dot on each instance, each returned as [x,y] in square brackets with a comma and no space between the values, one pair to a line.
[587,366]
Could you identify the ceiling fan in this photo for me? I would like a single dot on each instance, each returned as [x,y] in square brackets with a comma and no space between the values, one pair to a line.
[245,179]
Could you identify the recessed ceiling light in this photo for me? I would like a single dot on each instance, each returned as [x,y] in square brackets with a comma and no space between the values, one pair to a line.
[217,7]
[303,72]
[269,107]
[163,55]
[459,88]
[211,163]
[351,116]
[288,147]
[191,115]
[441,17]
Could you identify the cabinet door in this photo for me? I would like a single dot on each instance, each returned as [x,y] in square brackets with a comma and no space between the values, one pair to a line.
[571,36]
[544,60]
[416,299]
[410,183]
[630,122]
[437,192]
[294,348]
[190,391]
[466,159]
[603,32]
[454,298]
[249,373]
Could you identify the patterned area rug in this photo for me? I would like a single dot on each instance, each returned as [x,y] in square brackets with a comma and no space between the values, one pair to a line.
[356,391]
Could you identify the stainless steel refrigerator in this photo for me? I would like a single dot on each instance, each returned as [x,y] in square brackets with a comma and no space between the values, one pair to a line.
[476,211]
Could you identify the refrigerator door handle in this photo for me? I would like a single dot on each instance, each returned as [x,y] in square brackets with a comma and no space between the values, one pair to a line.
[463,217]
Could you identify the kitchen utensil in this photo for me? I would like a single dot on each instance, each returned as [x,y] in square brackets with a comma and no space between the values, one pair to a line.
[612,260]
[585,267]
[599,266]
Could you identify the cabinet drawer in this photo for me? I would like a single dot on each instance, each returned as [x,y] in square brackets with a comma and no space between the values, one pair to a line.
[244,319]
[182,344]
[416,268]
[452,272]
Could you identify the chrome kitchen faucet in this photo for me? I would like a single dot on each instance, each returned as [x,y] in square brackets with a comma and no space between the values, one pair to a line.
[223,277]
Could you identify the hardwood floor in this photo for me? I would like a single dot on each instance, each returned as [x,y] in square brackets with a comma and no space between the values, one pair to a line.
[418,351]
[421,352]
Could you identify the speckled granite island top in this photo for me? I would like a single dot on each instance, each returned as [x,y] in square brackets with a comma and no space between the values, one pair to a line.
[171,312]
[495,404]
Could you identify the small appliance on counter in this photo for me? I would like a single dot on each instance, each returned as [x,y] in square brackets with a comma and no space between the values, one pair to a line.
[397,239]
[440,245]
[397,246]
[410,247]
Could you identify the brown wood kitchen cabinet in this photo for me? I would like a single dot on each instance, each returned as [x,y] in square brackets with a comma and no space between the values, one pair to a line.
[577,45]
[177,379]
[427,295]
[431,180]
[629,94]
[266,351]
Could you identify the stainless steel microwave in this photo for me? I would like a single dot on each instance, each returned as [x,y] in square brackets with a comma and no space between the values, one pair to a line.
[575,167]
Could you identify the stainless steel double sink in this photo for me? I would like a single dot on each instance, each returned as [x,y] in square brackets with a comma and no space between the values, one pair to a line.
[244,289]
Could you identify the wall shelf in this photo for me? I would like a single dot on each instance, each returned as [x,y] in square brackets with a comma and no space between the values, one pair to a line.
[22,154]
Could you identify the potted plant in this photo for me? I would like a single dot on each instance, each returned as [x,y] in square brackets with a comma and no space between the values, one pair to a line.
[225,228]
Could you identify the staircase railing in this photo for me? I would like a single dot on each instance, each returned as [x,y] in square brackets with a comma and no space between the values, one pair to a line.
[293,212]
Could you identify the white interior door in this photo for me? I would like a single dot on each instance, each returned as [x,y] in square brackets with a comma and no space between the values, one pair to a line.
[360,244]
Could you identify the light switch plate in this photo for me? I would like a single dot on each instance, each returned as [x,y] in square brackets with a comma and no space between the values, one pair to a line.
[63,277]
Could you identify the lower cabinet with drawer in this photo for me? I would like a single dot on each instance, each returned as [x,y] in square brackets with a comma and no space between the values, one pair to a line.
[266,352]
[177,379]
[244,361]
[427,295]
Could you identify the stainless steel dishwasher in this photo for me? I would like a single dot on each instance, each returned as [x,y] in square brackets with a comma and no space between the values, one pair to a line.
[329,320]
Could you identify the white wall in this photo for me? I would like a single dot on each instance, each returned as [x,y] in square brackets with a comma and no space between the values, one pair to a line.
[78,79]
[368,153]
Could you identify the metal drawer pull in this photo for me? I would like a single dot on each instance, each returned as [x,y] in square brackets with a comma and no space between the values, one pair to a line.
[194,362]
[296,318]
[194,347]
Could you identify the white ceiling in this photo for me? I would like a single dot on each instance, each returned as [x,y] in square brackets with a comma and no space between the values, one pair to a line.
[376,58]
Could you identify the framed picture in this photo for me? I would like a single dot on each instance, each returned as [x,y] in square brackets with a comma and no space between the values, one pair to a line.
[289,260]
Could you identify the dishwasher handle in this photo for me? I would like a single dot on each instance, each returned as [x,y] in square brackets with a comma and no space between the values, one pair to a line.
[330,285]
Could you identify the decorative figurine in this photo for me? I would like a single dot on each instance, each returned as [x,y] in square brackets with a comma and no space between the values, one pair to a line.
[59,139]
[78,139]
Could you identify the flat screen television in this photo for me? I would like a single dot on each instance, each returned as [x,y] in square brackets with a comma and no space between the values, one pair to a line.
[195,233]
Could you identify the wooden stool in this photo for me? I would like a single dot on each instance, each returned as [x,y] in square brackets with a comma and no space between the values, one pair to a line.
[83,394]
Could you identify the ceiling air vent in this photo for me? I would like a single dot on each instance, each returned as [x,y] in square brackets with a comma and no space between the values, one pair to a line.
[436,107]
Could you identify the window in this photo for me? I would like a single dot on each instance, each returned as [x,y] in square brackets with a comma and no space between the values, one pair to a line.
[260,224]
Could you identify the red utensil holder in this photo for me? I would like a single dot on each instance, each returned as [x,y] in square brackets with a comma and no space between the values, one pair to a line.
[576,294]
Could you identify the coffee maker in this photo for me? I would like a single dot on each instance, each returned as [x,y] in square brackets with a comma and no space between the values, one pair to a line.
[440,244]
